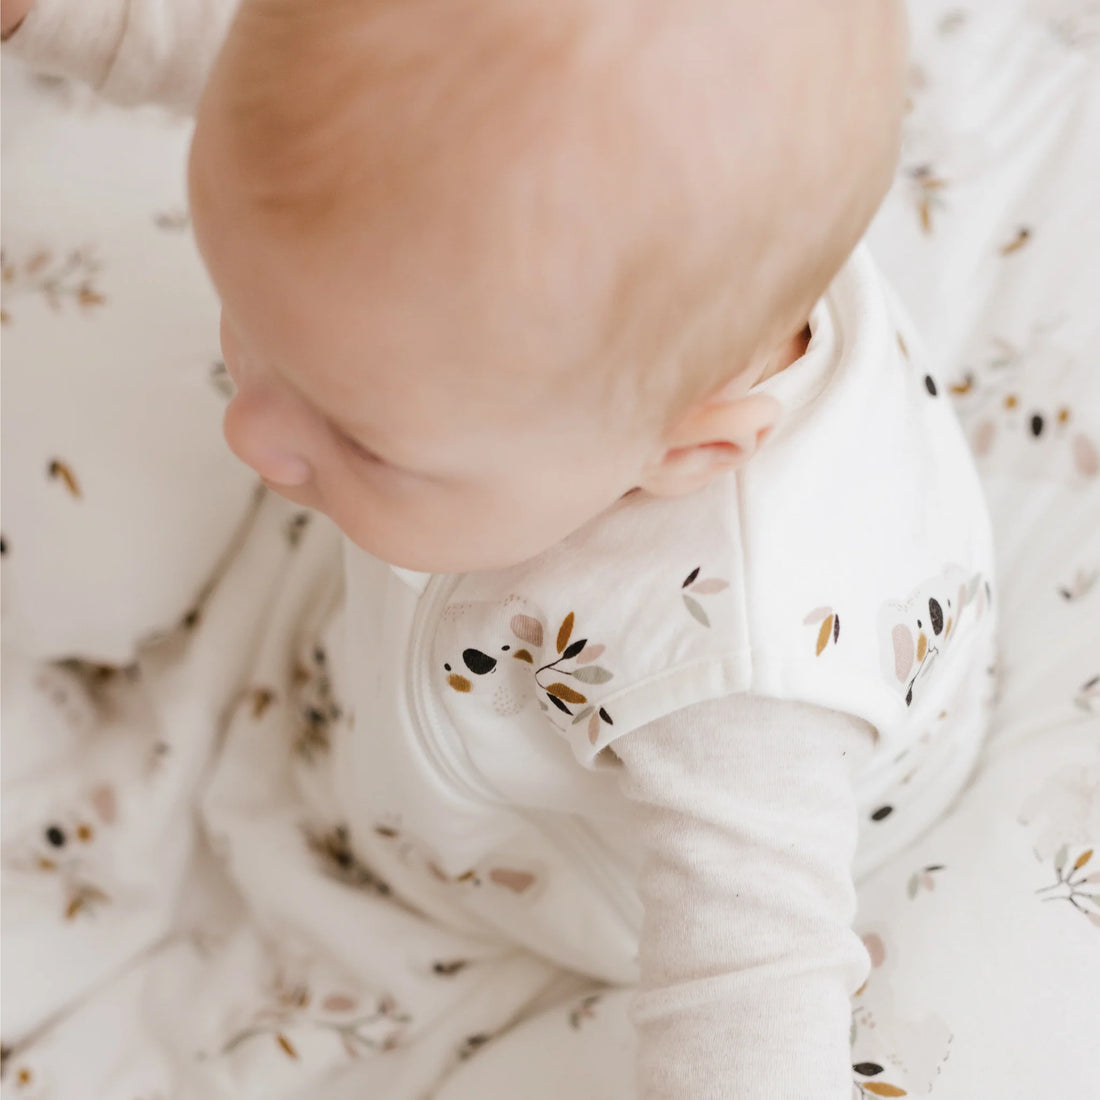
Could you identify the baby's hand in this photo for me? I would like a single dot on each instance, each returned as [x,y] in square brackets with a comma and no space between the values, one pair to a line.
[12,13]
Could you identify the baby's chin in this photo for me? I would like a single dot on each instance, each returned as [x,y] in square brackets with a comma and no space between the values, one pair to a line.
[445,553]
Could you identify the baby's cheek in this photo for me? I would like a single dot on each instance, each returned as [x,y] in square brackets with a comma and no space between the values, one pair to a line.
[262,437]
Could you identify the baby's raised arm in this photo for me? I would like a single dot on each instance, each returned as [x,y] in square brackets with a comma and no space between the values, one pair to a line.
[131,51]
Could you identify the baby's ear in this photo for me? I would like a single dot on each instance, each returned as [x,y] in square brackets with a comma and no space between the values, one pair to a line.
[711,438]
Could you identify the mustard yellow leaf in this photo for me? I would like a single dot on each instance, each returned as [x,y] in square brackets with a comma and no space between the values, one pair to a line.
[564,631]
[565,693]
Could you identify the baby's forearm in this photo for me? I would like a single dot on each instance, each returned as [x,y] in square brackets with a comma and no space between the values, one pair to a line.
[747,954]
[131,51]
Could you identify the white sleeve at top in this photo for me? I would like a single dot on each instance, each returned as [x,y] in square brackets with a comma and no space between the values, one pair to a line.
[748,959]
[131,51]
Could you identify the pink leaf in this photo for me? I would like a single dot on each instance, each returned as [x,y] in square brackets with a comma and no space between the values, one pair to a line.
[339,1002]
[103,800]
[983,437]
[589,653]
[1085,456]
[527,629]
[710,586]
[816,615]
[516,881]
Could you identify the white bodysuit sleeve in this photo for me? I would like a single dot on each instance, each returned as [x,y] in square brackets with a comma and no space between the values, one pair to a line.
[131,51]
[748,959]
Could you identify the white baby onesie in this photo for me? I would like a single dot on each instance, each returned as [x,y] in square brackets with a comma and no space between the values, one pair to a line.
[673,802]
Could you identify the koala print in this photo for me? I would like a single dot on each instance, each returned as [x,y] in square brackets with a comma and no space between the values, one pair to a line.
[498,664]
[1014,409]
[916,632]
[63,849]
[524,658]
[493,873]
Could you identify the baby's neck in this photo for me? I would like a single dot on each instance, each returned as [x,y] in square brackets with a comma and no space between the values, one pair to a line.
[788,352]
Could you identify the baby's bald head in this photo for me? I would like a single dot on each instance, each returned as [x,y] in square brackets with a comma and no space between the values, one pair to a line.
[599,211]
[661,190]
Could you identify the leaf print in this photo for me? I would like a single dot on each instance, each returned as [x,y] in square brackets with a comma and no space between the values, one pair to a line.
[589,654]
[516,881]
[922,647]
[262,698]
[696,610]
[459,683]
[592,674]
[1086,458]
[583,715]
[37,262]
[105,804]
[286,1045]
[691,576]
[1023,235]
[88,296]
[583,1011]
[1060,858]
[527,629]
[1082,859]
[564,631]
[559,704]
[447,969]
[594,729]
[816,615]
[58,469]
[836,629]
[881,1088]
[824,633]
[565,693]
[709,586]
[339,1002]
[574,648]
[523,655]
[606,717]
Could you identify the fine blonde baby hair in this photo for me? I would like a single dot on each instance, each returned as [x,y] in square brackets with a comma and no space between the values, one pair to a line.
[669,186]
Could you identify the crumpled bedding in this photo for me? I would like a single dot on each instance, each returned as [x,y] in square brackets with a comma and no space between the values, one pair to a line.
[183,915]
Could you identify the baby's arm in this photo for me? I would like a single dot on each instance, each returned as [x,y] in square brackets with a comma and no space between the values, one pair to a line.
[748,958]
[131,51]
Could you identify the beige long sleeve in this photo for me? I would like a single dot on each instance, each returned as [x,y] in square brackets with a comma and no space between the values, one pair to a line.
[748,958]
[131,51]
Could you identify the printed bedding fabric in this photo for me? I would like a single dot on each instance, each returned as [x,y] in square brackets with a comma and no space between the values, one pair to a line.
[183,914]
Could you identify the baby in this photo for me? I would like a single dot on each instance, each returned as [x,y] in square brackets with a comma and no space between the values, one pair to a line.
[668,583]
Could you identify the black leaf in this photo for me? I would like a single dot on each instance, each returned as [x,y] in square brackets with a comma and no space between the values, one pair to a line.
[574,648]
[836,628]
[559,704]
[930,385]
[691,576]
[882,813]
[606,717]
